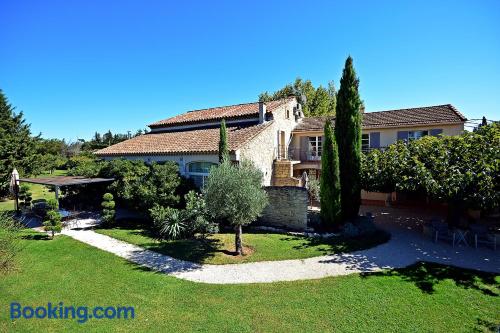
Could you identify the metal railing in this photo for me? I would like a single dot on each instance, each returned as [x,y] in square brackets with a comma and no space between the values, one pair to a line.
[298,154]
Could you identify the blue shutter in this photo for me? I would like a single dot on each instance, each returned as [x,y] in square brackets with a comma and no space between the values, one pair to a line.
[436,131]
[402,135]
[375,140]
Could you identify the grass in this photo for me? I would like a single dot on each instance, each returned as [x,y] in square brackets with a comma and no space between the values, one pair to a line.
[422,298]
[38,192]
[219,248]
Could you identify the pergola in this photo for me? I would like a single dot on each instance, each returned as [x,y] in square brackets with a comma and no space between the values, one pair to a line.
[58,181]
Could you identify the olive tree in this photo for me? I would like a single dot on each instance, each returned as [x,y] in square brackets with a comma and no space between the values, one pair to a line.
[235,193]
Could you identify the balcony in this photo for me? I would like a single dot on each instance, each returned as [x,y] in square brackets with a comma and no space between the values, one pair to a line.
[303,155]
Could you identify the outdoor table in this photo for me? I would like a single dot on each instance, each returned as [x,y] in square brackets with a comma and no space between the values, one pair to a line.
[461,234]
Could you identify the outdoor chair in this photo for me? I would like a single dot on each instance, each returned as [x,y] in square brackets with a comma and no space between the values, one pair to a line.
[480,234]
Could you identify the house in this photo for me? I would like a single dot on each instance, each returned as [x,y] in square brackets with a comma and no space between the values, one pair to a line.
[274,135]
[256,131]
[380,129]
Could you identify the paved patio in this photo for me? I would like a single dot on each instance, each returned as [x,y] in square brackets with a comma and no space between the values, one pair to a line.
[407,246]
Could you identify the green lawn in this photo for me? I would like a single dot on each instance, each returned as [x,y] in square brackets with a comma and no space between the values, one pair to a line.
[218,249]
[38,192]
[423,298]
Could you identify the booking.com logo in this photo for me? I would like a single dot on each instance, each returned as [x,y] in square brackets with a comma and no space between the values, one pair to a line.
[61,311]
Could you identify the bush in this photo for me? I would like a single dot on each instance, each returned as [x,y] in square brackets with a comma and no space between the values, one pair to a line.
[9,242]
[313,189]
[25,196]
[52,204]
[52,222]
[108,209]
[171,223]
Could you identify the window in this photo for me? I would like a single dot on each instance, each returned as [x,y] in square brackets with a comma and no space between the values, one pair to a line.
[315,148]
[287,114]
[414,135]
[198,172]
[365,142]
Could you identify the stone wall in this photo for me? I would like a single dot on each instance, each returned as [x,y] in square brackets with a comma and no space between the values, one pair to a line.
[287,207]
[282,174]
[262,149]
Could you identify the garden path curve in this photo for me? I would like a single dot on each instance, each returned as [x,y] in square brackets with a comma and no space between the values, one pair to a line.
[407,246]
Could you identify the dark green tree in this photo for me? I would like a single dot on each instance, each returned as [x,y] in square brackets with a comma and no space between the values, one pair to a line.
[348,135]
[315,102]
[330,180]
[332,95]
[321,102]
[223,146]
[17,146]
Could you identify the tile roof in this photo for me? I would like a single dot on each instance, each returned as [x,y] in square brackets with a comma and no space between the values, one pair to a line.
[439,114]
[238,111]
[202,141]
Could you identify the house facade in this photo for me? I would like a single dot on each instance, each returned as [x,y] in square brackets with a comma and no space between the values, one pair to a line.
[275,136]
[379,130]
[256,132]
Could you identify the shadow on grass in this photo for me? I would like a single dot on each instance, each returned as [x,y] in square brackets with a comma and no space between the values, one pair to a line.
[340,244]
[486,326]
[426,276]
[35,237]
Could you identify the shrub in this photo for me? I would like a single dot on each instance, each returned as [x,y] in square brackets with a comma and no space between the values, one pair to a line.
[108,209]
[234,193]
[173,226]
[196,215]
[52,222]
[9,242]
[171,223]
[313,189]
[25,196]
[52,204]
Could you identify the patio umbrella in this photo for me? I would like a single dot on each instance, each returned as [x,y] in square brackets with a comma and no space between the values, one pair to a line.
[14,185]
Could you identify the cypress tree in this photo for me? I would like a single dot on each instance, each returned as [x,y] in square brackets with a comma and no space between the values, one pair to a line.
[330,181]
[223,146]
[348,135]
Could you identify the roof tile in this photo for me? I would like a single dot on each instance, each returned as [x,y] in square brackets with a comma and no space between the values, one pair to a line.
[203,141]
[439,114]
[238,111]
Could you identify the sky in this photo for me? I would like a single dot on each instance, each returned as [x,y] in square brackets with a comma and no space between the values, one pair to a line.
[76,67]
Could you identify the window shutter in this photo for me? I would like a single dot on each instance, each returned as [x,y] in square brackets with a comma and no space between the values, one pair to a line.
[402,135]
[304,147]
[375,140]
[436,131]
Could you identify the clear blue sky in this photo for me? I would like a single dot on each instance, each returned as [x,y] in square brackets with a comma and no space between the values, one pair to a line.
[75,67]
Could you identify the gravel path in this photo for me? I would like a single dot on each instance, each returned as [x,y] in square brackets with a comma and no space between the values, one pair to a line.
[406,247]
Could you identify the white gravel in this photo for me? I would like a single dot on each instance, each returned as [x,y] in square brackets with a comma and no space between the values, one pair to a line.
[406,247]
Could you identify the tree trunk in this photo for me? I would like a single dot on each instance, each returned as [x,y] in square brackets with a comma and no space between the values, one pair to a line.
[237,240]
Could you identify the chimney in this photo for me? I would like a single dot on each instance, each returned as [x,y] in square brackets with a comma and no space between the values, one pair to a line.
[262,112]
[362,108]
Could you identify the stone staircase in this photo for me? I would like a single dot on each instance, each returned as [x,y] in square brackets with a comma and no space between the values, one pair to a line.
[283,174]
